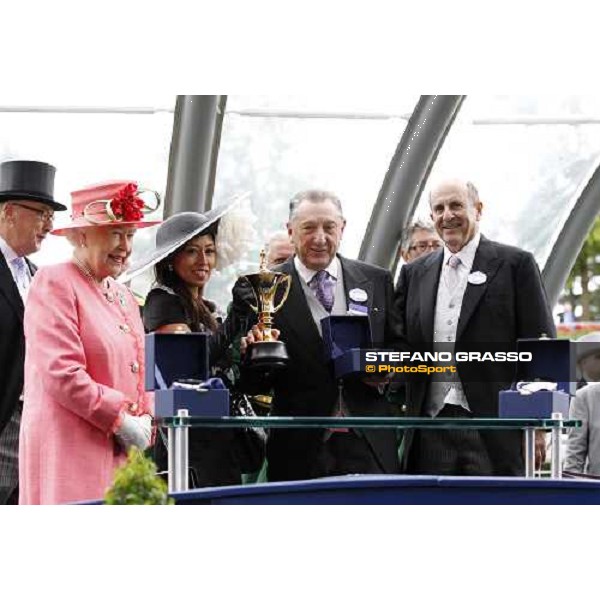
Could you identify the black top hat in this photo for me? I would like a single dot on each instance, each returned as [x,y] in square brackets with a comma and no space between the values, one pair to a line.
[28,180]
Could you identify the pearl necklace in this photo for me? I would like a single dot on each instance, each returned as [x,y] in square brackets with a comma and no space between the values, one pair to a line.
[104,284]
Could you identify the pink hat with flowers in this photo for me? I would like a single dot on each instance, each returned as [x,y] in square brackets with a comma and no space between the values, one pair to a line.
[111,203]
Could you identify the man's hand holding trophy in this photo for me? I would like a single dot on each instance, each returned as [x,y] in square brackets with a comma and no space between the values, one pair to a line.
[262,349]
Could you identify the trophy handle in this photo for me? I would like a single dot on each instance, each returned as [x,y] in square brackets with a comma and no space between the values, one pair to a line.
[288,281]
[254,308]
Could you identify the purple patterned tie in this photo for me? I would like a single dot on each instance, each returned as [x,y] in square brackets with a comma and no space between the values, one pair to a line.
[323,286]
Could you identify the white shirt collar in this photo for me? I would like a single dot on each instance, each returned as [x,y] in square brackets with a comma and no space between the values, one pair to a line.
[9,253]
[466,253]
[307,274]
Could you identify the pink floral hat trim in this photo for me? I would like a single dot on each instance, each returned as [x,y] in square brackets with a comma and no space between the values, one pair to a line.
[110,203]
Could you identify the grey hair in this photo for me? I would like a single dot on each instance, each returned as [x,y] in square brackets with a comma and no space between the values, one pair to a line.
[472,193]
[408,233]
[278,236]
[316,197]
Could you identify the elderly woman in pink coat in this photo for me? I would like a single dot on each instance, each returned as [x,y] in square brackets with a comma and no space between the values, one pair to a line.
[84,398]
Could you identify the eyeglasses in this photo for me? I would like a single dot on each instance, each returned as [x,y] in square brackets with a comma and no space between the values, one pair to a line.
[422,246]
[43,215]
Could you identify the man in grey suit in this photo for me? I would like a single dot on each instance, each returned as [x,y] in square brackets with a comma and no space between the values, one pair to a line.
[26,215]
[583,450]
[325,283]
[472,292]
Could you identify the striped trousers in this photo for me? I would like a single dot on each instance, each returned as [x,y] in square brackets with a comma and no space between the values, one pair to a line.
[9,458]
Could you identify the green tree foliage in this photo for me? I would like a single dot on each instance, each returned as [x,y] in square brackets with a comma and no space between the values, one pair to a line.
[136,482]
[586,267]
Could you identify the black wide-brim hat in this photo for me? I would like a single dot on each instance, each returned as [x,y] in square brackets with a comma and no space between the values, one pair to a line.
[28,180]
[173,233]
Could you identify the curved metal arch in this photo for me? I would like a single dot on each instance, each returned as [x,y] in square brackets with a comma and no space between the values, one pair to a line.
[569,242]
[406,176]
[195,144]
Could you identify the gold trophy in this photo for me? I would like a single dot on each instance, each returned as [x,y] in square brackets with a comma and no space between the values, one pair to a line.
[269,354]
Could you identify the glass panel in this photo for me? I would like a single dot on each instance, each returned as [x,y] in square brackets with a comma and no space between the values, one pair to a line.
[112,137]
[109,99]
[368,422]
[340,143]
[529,156]
[346,106]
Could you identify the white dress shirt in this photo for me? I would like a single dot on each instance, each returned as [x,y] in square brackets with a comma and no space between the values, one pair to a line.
[18,268]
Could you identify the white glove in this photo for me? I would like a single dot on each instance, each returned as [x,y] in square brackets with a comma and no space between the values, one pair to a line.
[135,431]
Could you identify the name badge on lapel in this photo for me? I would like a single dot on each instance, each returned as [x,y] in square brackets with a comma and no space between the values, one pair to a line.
[477,278]
[357,295]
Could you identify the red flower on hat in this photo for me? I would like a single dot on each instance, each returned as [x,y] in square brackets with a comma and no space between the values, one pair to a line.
[125,205]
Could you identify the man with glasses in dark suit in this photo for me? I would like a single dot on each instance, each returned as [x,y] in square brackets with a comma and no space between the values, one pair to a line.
[418,240]
[26,216]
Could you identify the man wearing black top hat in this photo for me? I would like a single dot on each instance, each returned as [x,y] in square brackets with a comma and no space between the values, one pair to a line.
[26,215]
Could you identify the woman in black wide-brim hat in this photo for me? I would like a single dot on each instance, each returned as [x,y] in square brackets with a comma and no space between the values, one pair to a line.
[186,254]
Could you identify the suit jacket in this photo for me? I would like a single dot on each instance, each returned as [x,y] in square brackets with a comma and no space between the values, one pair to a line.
[12,342]
[583,451]
[509,305]
[307,387]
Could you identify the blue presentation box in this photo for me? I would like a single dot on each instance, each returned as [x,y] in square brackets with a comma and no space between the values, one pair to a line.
[177,356]
[349,363]
[552,360]
[211,403]
[538,405]
[345,332]
[345,337]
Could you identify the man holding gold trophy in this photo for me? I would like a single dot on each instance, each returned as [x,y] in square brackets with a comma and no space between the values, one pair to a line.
[320,283]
